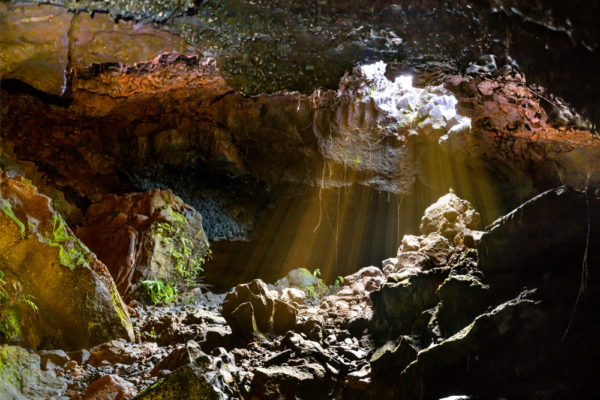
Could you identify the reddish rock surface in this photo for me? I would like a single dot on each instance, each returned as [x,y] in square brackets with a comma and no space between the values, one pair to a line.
[136,235]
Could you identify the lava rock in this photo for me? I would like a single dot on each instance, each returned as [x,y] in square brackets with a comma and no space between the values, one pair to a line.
[110,387]
[21,377]
[152,235]
[182,355]
[76,299]
[449,216]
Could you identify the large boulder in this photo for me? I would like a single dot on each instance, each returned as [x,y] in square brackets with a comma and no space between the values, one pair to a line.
[152,235]
[206,378]
[449,216]
[76,299]
[251,309]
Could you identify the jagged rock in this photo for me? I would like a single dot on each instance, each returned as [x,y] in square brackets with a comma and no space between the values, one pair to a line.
[119,351]
[284,317]
[286,382]
[293,295]
[152,235]
[77,302]
[206,378]
[182,355]
[437,247]
[551,226]
[21,377]
[109,387]
[480,355]
[250,309]
[463,297]
[401,306]
[51,359]
[392,357]
[449,216]
[408,262]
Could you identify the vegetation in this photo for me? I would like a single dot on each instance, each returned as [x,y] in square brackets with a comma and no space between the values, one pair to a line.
[160,292]
[71,252]
[6,207]
[11,295]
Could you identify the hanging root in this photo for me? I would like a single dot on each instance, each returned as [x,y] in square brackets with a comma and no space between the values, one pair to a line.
[584,262]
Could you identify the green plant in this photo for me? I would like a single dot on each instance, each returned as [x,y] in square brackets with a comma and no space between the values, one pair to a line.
[338,282]
[160,292]
[6,207]
[11,294]
[317,273]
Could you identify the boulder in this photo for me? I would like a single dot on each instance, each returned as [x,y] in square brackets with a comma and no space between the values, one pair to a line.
[392,357]
[110,387]
[250,309]
[462,298]
[287,382]
[437,247]
[66,297]
[145,236]
[22,379]
[51,359]
[293,295]
[479,357]
[206,378]
[182,355]
[122,352]
[401,306]
[449,216]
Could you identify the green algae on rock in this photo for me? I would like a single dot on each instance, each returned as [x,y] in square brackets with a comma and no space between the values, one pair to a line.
[146,237]
[77,303]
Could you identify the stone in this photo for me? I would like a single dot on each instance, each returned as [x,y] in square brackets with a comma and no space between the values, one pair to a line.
[77,303]
[463,297]
[21,377]
[284,317]
[449,216]
[51,359]
[400,305]
[80,356]
[243,322]
[206,378]
[182,355]
[409,262]
[250,309]
[492,337]
[110,387]
[410,243]
[437,247]
[152,235]
[392,357]
[120,351]
[293,295]
[288,382]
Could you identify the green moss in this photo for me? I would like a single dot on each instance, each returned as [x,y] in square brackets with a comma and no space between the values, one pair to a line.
[7,209]
[118,307]
[71,252]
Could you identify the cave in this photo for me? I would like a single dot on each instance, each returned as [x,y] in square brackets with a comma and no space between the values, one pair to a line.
[231,199]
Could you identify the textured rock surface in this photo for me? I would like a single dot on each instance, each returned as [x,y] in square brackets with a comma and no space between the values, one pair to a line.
[77,301]
[109,387]
[151,235]
[251,309]
[449,216]
[21,377]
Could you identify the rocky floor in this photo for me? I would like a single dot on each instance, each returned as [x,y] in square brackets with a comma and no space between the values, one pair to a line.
[434,321]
